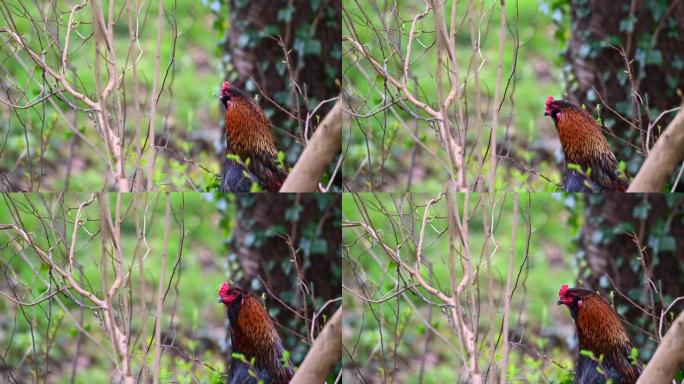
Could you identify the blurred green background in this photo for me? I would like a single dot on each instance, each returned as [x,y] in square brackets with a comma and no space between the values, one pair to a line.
[373,332]
[380,149]
[25,331]
[215,232]
[188,111]
[54,145]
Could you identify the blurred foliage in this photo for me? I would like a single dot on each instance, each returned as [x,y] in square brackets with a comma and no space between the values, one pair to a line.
[540,326]
[38,140]
[24,330]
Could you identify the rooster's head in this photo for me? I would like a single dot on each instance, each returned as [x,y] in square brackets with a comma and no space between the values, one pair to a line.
[229,295]
[225,93]
[573,298]
[229,91]
[555,107]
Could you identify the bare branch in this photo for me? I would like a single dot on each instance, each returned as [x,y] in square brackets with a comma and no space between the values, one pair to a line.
[319,152]
[667,152]
[668,357]
[324,354]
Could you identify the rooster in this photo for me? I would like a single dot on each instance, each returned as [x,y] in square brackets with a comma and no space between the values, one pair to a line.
[249,139]
[600,332]
[584,146]
[253,335]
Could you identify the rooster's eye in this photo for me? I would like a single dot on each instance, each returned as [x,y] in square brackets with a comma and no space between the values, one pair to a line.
[554,113]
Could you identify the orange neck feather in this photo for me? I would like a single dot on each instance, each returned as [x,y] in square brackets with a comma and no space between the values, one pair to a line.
[580,135]
[600,331]
[247,130]
[600,328]
[254,333]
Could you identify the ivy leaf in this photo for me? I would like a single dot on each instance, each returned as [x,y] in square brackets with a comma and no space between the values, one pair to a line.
[285,14]
[654,57]
[627,25]
[319,246]
[313,47]
[668,243]
[641,210]
[292,213]
[249,239]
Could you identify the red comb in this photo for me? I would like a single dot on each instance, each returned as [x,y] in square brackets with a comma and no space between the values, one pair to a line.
[225,87]
[224,289]
[563,290]
[548,102]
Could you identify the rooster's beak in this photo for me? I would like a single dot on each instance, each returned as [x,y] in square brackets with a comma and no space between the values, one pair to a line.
[546,113]
[559,302]
[219,300]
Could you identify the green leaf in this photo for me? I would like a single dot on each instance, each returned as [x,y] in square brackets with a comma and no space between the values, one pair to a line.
[654,57]
[641,210]
[292,213]
[249,239]
[668,244]
[627,24]
[313,47]
[319,246]
[285,14]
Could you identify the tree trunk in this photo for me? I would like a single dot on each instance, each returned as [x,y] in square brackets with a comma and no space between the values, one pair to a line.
[310,32]
[311,36]
[607,249]
[325,353]
[668,358]
[652,35]
[258,244]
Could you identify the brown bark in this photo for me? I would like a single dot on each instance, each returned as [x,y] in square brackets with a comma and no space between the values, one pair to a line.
[319,152]
[608,250]
[668,357]
[267,256]
[258,58]
[310,32]
[663,159]
[324,354]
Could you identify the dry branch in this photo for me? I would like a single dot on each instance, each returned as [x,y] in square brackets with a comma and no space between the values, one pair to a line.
[459,301]
[667,152]
[324,145]
[108,133]
[668,357]
[103,101]
[324,354]
[109,298]
[153,102]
